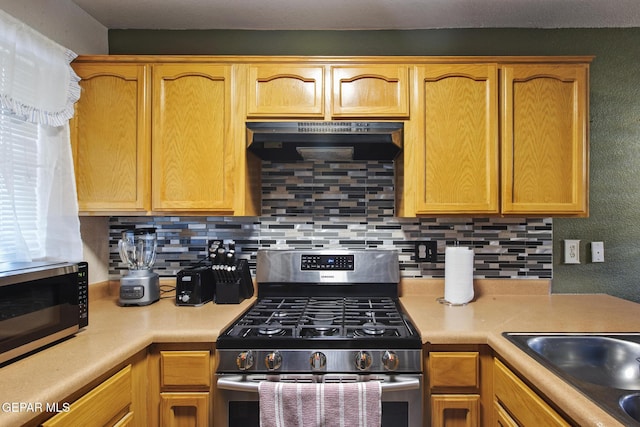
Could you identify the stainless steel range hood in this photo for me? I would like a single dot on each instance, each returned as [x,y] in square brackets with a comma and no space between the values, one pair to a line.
[333,141]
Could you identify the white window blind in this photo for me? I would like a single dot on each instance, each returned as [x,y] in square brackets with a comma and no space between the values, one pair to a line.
[18,188]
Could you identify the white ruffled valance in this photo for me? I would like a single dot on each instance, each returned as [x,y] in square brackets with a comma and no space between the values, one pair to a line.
[32,61]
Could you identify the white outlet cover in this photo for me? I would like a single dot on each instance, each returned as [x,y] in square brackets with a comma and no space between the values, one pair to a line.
[597,251]
[572,251]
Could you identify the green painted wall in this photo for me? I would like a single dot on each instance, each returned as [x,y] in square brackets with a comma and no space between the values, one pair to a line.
[614,116]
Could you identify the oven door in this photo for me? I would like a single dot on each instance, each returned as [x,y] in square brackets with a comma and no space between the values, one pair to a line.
[237,402]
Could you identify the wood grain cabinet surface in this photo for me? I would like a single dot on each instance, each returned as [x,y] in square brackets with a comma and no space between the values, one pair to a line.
[483,136]
[454,133]
[117,399]
[111,138]
[326,91]
[181,392]
[454,388]
[545,150]
[286,91]
[515,402]
[159,138]
[492,138]
[193,156]
[370,91]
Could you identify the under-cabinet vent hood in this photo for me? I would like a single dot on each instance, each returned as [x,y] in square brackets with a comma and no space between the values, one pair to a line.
[332,141]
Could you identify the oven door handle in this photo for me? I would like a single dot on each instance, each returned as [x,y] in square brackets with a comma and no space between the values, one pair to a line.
[399,383]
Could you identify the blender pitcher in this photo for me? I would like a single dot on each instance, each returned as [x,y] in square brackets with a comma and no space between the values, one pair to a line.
[138,248]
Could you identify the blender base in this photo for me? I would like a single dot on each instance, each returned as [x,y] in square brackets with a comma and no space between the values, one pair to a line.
[139,287]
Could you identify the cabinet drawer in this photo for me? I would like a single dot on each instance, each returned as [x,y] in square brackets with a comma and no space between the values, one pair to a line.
[185,368]
[106,403]
[522,403]
[454,370]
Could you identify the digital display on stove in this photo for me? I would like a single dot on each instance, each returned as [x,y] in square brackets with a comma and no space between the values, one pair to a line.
[327,262]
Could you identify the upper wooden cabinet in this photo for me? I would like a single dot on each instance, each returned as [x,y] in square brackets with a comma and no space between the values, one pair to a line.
[370,91]
[111,138]
[291,91]
[193,154]
[160,137]
[529,118]
[482,136]
[286,91]
[454,139]
[545,151]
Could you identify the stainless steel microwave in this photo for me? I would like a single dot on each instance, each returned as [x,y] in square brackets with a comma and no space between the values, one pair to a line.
[40,303]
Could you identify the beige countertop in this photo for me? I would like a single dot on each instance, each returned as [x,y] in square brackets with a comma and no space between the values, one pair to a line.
[116,333]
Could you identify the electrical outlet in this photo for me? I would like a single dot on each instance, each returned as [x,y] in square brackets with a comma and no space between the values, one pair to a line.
[572,251]
[426,251]
[597,251]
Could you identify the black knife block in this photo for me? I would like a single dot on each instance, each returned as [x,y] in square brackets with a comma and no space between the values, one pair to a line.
[232,287]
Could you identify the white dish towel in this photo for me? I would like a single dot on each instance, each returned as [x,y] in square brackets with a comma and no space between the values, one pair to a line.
[355,404]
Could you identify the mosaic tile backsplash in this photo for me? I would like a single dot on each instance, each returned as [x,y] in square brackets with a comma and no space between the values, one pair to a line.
[346,205]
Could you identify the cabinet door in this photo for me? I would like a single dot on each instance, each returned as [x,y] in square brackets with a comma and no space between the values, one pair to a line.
[184,409]
[522,403]
[193,153]
[451,410]
[455,139]
[110,401]
[110,136]
[370,91]
[286,91]
[544,140]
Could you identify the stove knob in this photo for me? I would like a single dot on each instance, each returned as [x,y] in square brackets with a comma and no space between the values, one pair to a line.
[273,361]
[318,361]
[363,360]
[244,360]
[390,360]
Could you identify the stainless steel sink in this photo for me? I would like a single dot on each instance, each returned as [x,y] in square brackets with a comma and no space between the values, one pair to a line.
[631,405]
[604,367]
[606,361]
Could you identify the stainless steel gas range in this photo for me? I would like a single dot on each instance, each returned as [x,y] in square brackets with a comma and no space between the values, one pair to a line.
[322,316]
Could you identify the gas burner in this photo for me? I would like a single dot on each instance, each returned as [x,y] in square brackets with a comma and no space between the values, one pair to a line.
[373,328]
[317,331]
[271,329]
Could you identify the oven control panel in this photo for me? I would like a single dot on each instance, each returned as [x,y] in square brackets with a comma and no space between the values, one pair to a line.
[327,262]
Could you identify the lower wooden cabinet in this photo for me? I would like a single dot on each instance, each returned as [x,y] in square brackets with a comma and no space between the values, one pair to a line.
[458,381]
[119,400]
[184,409]
[515,404]
[181,391]
[452,410]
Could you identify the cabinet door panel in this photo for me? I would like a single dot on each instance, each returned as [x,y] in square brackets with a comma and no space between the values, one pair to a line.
[184,409]
[370,91]
[545,150]
[456,139]
[111,139]
[193,155]
[451,410]
[286,91]
[522,403]
[107,402]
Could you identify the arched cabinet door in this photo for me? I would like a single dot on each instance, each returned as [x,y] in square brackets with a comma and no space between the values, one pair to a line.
[453,139]
[193,154]
[545,164]
[285,91]
[110,137]
[370,91]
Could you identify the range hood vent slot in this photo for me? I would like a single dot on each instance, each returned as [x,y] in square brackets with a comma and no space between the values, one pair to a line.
[328,141]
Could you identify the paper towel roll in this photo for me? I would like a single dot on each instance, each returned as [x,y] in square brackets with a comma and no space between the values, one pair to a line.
[458,275]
